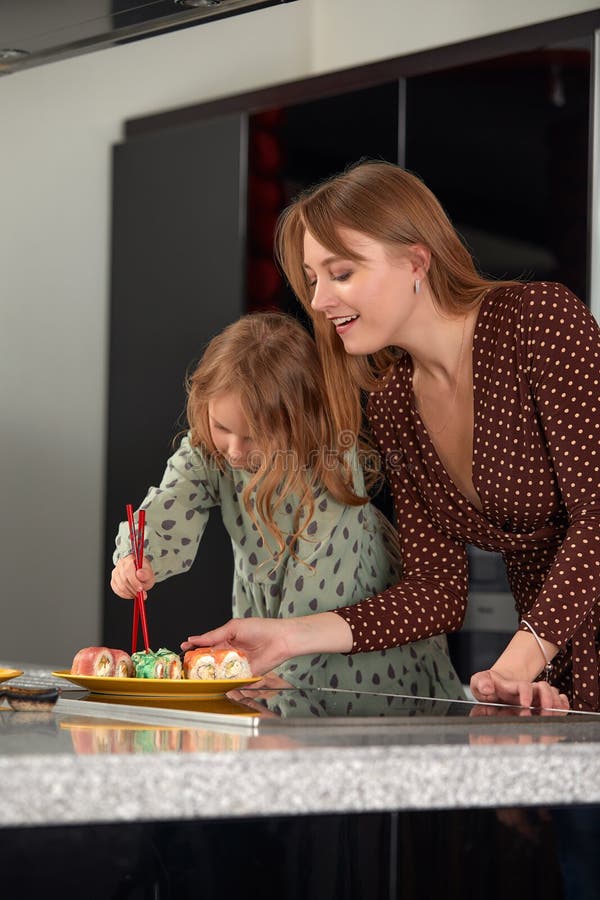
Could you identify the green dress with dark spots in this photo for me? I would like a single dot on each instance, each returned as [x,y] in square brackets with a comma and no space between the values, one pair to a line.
[342,559]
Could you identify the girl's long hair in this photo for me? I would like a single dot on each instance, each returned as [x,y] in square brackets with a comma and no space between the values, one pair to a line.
[394,207]
[270,362]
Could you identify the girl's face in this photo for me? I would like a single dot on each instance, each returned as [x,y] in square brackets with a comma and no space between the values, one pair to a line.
[371,303]
[230,431]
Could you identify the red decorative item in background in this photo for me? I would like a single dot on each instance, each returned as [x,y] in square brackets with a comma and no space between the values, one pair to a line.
[266,197]
[265,193]
[266,157]
[260,238]
[271,119]
[264,283]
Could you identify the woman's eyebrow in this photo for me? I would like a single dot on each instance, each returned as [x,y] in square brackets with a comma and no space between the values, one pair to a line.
[326,261]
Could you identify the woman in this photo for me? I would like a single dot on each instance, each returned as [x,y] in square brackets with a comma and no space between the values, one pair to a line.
[485,405]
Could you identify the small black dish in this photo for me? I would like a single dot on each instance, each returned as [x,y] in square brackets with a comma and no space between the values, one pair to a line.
[25,699]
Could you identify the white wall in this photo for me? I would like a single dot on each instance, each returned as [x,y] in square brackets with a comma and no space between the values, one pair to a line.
[350,32]
[58,123]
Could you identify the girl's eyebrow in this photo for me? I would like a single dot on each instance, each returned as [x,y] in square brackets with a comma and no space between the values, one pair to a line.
[218,424]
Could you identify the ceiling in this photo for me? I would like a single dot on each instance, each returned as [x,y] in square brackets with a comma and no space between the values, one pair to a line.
[33,32]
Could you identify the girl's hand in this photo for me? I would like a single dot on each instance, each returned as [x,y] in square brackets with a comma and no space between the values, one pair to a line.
[126,581]
[266,642]
[492,687]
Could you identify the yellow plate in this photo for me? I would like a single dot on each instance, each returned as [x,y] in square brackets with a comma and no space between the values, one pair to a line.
[5,674]
[216,705]
[155,687]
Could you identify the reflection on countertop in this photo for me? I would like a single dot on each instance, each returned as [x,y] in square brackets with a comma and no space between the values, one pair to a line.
[276,719]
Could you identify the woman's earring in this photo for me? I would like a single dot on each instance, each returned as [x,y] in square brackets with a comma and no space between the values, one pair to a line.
[417,285]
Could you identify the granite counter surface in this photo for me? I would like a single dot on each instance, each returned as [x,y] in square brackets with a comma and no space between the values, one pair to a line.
[85,762]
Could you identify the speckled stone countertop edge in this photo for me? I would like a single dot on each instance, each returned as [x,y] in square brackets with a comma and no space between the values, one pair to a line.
[63,790]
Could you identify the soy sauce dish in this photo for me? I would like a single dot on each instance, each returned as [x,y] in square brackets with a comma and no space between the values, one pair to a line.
[24,699]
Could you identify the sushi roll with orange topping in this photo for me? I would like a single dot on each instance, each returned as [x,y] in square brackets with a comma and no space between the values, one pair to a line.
[208,664]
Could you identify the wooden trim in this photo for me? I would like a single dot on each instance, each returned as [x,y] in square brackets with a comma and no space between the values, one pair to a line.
[518,40]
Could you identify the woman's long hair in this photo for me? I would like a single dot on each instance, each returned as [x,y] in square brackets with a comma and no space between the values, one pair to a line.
[395,208]
[271,364]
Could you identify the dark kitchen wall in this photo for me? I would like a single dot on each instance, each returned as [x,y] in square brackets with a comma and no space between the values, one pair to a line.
[504,144]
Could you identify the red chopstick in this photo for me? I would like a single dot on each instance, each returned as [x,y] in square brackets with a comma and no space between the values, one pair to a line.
[137,549]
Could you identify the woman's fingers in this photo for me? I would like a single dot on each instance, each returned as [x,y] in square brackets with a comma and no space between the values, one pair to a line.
[219,635]
[548,697]
[491,687]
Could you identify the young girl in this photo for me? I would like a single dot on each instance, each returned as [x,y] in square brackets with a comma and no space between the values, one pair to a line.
[262,447]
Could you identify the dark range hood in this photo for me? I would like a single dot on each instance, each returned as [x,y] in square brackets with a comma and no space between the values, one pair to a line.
[33,32]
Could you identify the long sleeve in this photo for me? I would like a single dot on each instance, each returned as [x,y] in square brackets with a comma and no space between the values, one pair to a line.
[176,513]
[431,596]
[562,342]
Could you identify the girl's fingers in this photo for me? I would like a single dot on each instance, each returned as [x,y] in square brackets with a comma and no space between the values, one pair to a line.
[127,581]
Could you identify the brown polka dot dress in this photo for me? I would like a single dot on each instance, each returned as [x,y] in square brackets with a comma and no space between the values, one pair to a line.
[536,468]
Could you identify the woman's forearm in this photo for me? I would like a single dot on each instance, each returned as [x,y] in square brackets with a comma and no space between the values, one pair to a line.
[523,659]
[320,633]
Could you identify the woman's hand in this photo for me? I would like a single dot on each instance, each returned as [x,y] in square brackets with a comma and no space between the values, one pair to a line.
[270,682]
[269,642]
[266,642]
[126,581]
[492,687]
[269,686]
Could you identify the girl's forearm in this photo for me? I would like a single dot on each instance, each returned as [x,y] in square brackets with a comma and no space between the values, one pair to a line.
[522,659]
[321,633]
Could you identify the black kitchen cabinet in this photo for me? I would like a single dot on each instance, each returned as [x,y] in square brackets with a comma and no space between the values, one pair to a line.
[464,854]
[178,249]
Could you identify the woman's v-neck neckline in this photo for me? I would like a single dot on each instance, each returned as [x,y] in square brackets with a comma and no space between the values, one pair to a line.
[422,427]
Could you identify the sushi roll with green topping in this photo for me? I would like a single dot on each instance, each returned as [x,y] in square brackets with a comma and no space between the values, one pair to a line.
[160,664]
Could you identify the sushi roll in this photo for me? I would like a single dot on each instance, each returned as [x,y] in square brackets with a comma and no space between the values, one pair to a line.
[232,664]
[102,662]
[200,664]
[98,661]
[123,664]
[160,664]
[204,663]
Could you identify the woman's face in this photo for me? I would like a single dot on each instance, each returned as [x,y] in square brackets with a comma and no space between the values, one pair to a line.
[230,431]
[370,303]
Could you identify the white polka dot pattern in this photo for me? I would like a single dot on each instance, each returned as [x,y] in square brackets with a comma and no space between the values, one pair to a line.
[536,468]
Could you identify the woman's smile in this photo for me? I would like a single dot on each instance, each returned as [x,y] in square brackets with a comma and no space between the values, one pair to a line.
[344,323]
